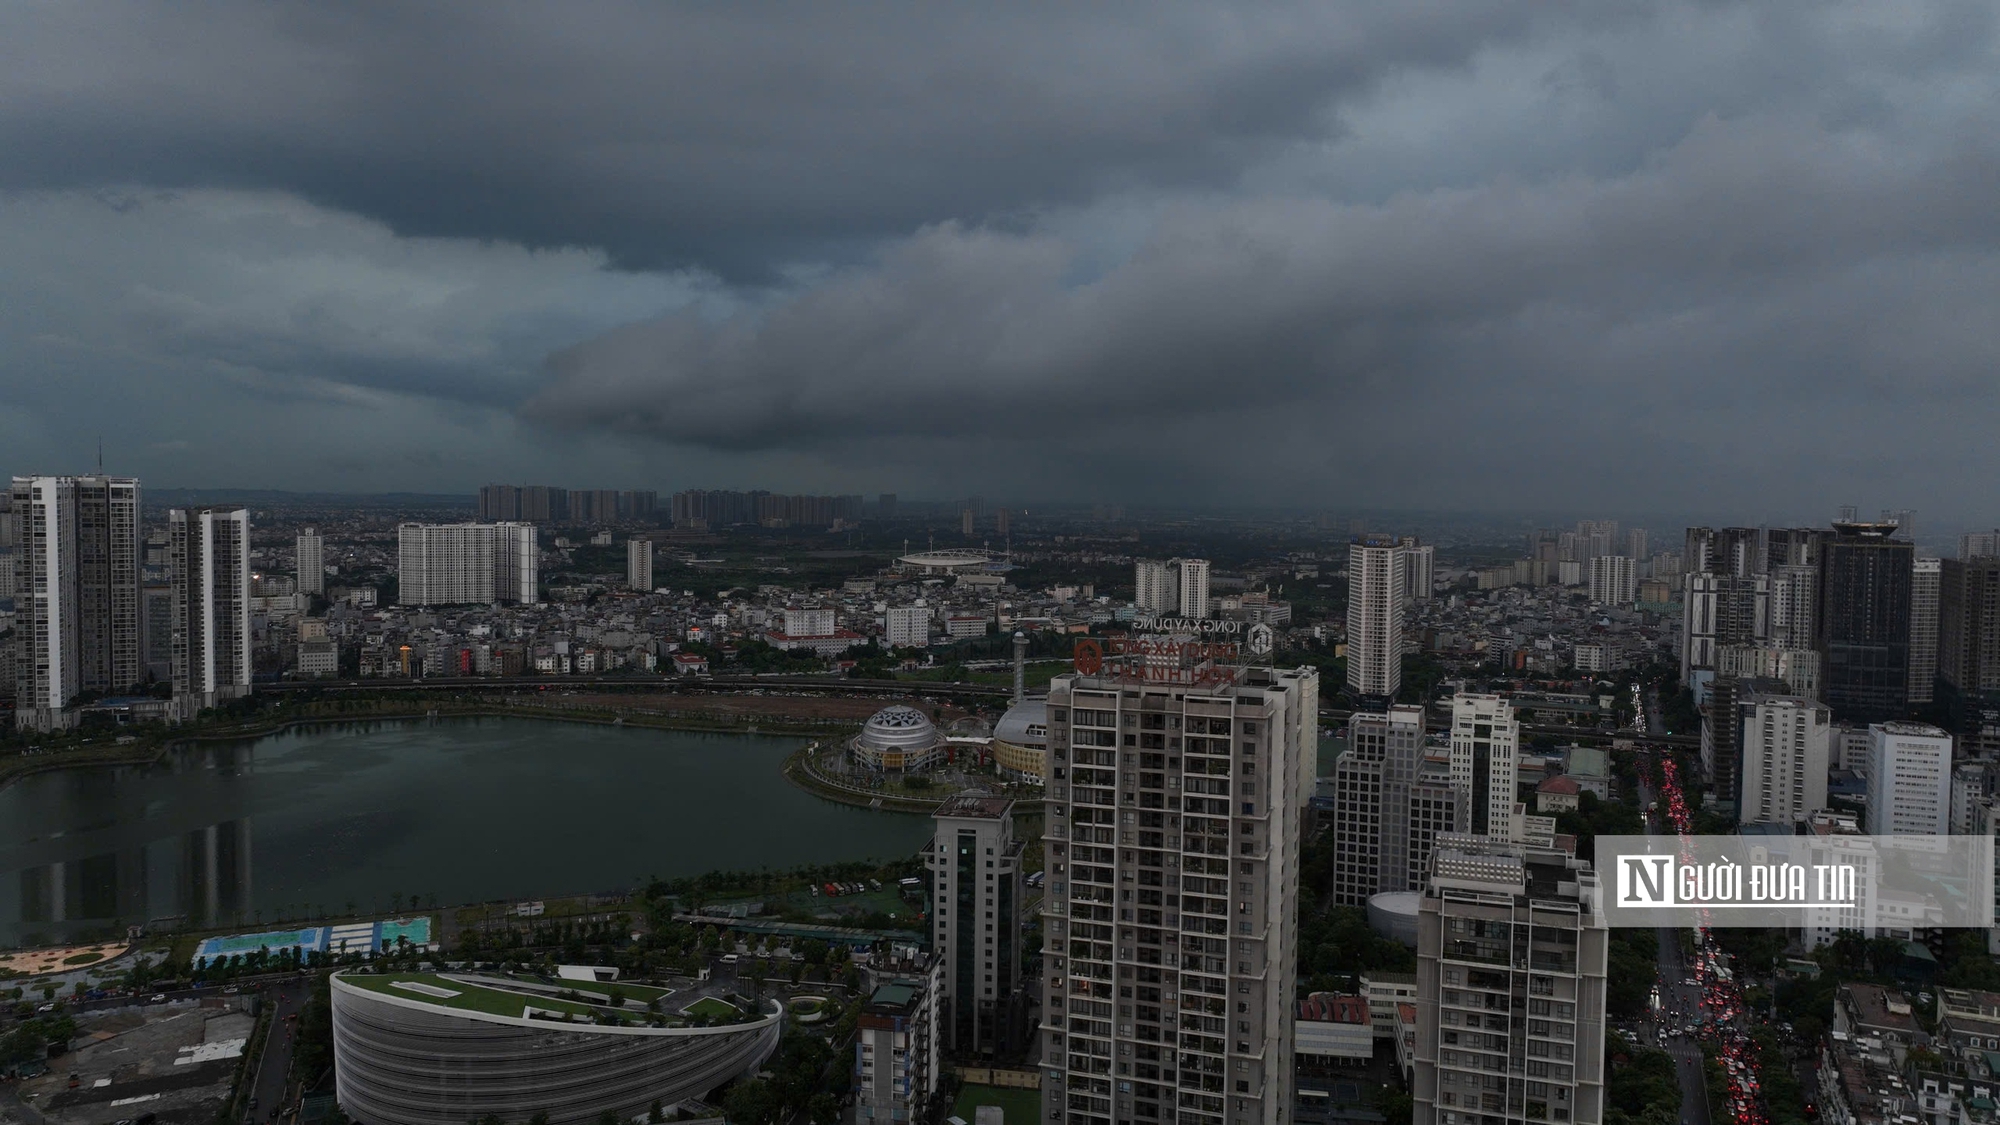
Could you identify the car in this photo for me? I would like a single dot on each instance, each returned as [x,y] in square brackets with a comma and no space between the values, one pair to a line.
[158,998]
[44,1008]
[231,990]
[253,1103]
[729,958]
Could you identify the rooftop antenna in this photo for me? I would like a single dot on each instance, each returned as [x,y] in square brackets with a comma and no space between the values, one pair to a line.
[100,455]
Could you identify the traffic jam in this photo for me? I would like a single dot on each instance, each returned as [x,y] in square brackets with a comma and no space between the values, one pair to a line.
[1720,1022]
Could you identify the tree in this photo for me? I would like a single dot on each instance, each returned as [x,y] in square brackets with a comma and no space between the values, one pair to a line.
[656,1114]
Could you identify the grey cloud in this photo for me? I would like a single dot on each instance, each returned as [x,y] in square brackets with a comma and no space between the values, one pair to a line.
[739,136]
[1765,262]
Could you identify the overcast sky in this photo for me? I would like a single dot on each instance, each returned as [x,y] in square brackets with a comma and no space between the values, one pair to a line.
[1623,256]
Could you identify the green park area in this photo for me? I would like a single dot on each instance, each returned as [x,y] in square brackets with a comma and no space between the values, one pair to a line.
[1020,1106]
[712,1008]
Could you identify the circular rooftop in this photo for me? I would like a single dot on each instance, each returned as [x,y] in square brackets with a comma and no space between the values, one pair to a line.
[1025,724]
[898,728]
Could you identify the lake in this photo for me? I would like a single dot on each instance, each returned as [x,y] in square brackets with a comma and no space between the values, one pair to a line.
[342,817]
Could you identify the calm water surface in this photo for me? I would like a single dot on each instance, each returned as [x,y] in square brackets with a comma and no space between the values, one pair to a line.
[460,810]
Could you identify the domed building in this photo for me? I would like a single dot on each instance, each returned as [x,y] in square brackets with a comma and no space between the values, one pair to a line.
[898,739]
[1021,741]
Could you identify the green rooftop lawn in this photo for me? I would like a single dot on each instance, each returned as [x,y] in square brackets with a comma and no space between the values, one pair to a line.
[714,1009]
[643,993]
[1020,1107]
[471,997]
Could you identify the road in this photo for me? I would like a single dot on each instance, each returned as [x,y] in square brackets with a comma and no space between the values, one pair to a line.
[1679,1003]
[274,1069]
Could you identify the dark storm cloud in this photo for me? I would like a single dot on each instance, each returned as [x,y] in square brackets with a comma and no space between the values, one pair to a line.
[1527,254]
[1766,261]
[724,136]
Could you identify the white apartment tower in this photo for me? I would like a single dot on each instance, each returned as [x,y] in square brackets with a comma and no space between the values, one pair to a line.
[1420,568]
[1377,588]
[466,563]
[311,562]
[1926,579]
[1176,587]
[1173,826]
[1485,760]
[1613,580]
[908,626]
[1512,952]
[1156,588]
[639,564]
[1787,744]
[975,863]
[210,552]
[1193,579]
[47,674]
[76,585]
[1909,780]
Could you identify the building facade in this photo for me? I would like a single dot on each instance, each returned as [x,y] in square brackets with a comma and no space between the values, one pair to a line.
[1485,757]
[1909,780]
[1390,804]
[1512,952]
[1175,1003]
[896,1047]
[1377,589]
[467,564]
[1863,621]
[210,549]
[1926,584]
[1614,580]
[907,626]
[1420,565]
[975,863]
[310,562]
[409,1050]
[639,564]
[75,581]
[1787,742]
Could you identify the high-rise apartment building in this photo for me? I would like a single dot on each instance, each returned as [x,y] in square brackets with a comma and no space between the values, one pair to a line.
[1719,610]
[1978,544]
[1614,580]
[896,1046]
[1391,802]
[908,626]
[965,522]
[210,549]
[639,563]
[47,674]
[1969,649]
[498,502]
[1794,596]
[1926,584]
[1786,745]
[466,563]
[1638,542]
[1193,579]
[1512,952]
[1420,568]
[76,589]
[1171,954]
[1863,621]
[1174,587]
[975,862]
[1002,521]
[1155,587]
[1377,589]
[1734,551]
[1909,780]
[1485,761]
[310,562]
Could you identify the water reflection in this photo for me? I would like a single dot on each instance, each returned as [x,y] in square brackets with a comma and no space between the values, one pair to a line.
[370,816]
[200,877]
[151,859]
